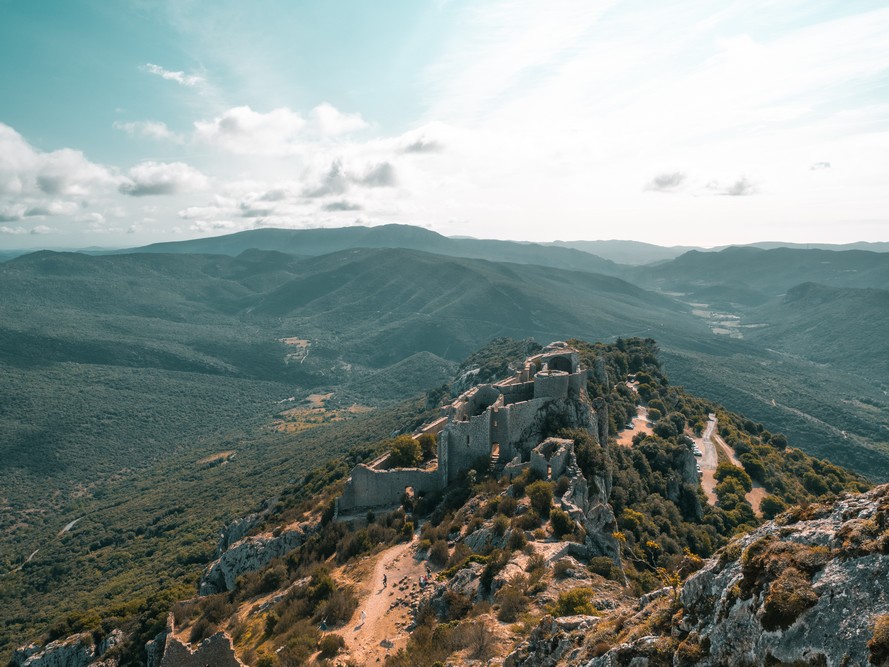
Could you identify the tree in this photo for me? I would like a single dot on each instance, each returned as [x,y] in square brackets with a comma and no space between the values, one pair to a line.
[405,452]
[771,507]
[725,470]
[541,495]
[428,445]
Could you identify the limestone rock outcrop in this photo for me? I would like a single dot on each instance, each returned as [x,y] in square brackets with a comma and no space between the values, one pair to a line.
[250,554]
[78,650]
[804,589]
[552,642]
[167,650]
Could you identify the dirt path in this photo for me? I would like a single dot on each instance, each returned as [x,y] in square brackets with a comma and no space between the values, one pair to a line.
[386,608]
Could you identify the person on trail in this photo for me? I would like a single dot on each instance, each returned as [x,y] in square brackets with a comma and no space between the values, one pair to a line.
[363,617]
[384,581]
[323,626]
[428,571]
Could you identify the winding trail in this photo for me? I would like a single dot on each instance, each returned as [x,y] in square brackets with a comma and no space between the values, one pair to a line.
[386,608]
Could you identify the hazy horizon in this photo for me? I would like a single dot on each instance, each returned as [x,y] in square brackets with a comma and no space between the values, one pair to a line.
[131,123]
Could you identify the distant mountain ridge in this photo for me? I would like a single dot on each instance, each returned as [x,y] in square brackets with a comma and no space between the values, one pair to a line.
[314,242]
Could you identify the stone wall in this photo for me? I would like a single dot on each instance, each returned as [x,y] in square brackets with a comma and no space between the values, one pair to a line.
[216,650]
[375,488]
[515,393]
[466,442]
[551,384]
[166,650]
[550,459]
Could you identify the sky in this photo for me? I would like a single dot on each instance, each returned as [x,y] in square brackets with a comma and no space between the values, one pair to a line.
[693,122]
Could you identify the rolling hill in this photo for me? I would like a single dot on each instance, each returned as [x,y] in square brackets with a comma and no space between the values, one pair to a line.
[313,242]
[758,275]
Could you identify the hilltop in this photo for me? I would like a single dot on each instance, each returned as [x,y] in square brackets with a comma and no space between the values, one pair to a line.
[509,550]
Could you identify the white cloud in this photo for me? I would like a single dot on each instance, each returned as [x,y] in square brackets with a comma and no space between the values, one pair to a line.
[94,216]
[181,78]
[741,187]
[332,122]
[12,230]
[334,182]
[151,129]
[162,178]
[243,131]
[666,181]
[25,171]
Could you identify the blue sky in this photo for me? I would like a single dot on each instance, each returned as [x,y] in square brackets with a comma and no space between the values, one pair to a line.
[690,122]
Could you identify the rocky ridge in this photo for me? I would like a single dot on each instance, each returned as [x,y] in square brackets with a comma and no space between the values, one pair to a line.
[250,554]
[805,589]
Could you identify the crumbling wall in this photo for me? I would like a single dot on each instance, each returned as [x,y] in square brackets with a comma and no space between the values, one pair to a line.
[550,459]
[216,650]
[515,393]
[551,384]
[373,488]
[467,441]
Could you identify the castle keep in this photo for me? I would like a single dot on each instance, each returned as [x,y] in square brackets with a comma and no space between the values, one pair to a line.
[504,421]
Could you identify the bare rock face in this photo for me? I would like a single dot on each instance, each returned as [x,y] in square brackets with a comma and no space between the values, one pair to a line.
[166,650]
[552,642]
[75,651]
[250,554]
[804,589]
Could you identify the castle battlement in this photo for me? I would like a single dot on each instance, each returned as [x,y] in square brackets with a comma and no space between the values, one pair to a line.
[502,419]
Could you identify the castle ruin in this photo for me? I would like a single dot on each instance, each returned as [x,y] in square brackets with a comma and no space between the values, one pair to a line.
[503,421]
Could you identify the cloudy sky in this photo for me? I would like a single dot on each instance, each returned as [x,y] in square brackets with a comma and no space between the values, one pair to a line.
[690,122]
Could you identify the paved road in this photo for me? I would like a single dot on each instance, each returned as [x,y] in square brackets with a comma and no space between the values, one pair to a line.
[709,459]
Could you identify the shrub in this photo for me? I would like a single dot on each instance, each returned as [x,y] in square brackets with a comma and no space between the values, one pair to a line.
[541,495]
[479,640]
[574,602]
[789,596]
[561,568]
[879,642]
[527,521]
[500,526]
[507,506]
[517,540]
[605,567]
[457,605]
[512,602]
[535,562]
[562,522]
[330,645]
[439,553]
[771,507]
[727,470]
[339,607]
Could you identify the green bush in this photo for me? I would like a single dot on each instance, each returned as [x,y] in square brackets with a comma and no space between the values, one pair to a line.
[540,494]
[405,452]
[574,602]
[562,522]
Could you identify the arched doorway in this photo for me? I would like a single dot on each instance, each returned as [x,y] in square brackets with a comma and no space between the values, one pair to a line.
[560,364]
